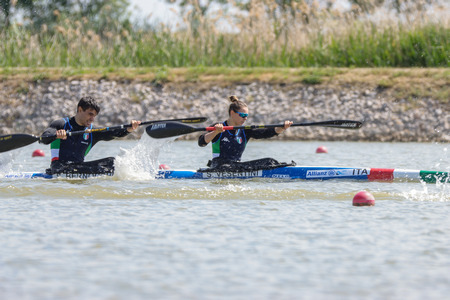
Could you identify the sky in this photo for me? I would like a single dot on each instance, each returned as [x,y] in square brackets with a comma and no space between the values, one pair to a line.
[159,10]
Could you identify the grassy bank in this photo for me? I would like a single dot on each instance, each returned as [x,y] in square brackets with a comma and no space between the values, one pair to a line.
[409,83]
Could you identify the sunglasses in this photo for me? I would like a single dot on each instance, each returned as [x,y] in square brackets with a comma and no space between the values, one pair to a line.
[241,114]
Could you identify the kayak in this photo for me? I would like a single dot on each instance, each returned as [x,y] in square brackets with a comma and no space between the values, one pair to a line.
[314,173]
[286,173]
[296,172]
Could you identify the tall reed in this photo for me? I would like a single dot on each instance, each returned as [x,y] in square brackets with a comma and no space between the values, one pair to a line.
[263,37]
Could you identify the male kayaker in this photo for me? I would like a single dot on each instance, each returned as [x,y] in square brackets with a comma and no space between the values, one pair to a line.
[68,152]
[228,145]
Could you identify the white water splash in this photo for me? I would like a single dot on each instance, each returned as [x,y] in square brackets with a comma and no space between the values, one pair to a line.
[438,192]
[6,162]
[141,161]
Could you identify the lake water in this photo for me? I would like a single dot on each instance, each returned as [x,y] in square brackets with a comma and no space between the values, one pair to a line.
[133,237]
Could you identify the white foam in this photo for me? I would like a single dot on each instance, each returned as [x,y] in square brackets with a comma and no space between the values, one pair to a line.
[141,161]
[6,161]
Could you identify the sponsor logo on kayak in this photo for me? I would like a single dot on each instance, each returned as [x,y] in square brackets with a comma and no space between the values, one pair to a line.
[232,174]
[320,173]
[361,172]
[158,126]
[332,173]
[83,175]
[281,176]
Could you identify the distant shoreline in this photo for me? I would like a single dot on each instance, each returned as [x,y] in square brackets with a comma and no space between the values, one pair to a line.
[397,82]
[27,106]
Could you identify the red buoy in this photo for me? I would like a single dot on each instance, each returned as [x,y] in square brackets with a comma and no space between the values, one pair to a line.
[164,167]
[322,149]
[38,152]
[363,198]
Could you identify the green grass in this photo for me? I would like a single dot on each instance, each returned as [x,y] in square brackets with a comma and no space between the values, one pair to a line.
[312,80]
[361,46]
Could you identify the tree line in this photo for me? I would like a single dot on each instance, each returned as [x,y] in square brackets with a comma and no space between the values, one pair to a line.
[35,13]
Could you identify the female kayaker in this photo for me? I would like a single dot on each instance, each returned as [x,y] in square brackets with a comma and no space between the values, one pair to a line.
[228,145]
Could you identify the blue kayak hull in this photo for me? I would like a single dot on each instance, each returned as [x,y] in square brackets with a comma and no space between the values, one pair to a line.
[288,173]
[317,173]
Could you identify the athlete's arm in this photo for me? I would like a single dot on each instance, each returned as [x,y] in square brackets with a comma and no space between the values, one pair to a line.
[50,134]
[206,138]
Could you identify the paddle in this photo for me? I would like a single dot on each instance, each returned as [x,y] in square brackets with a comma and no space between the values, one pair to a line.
[14,141]
[168,129]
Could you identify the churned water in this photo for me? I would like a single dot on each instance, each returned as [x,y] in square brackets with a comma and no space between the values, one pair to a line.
[133,237]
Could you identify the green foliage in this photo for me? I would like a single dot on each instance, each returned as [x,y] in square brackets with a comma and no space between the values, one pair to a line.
[385,84]
[69,33]
[39,77]
[6,7]
[312,79]
[161,75]
[425,46]
[99,14]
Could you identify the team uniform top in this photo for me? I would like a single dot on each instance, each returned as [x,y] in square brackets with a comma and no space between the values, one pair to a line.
[76,147]
[230,144]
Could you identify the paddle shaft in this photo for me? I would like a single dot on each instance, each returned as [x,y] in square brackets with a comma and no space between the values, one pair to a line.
[170,129]
[185,120]
[14,141]
[345,124]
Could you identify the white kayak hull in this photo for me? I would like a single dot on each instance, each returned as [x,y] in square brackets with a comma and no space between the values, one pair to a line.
[287,173]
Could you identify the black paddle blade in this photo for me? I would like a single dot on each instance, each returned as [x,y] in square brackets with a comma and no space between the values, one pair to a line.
[168,129]
[14,141]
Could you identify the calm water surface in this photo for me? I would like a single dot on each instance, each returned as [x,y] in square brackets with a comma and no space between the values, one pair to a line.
[132,237]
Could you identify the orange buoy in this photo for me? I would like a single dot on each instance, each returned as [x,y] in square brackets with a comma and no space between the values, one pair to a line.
[363,198]
[321,149]
[38,152]
[164,167]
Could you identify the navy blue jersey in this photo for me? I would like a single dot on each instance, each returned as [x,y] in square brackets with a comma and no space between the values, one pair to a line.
[230,144]
[76,147]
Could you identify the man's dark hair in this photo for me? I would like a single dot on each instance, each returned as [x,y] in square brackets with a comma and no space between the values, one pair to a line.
[88,102]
